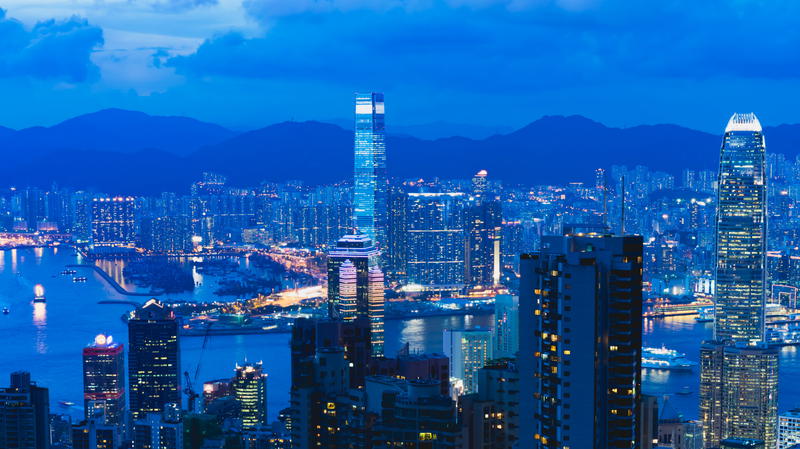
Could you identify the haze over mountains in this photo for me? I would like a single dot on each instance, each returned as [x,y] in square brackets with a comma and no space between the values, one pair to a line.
[119,151]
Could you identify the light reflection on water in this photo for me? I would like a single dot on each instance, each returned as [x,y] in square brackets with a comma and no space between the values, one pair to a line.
[40,322]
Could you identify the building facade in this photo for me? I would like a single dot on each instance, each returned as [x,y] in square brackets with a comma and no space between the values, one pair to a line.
[113,222]
[468,350]
[371,185]
[580,342]
[104,379]
[250,390]
[154,359]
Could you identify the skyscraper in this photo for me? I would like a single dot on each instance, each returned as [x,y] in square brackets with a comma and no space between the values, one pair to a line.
[370,194]
[250,391]
[580,347]
[741,233]
[468,351]
[154,359]
[355,287]
[104,379]
[739,374]
[484,224]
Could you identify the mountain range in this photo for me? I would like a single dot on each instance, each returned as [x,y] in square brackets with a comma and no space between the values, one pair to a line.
[127,152]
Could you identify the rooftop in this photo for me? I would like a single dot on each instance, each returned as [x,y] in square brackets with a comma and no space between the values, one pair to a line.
[743,122]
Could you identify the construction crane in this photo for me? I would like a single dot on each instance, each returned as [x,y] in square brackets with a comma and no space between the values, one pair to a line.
[189,391]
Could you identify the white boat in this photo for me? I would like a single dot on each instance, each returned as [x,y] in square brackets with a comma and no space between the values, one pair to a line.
[666,359]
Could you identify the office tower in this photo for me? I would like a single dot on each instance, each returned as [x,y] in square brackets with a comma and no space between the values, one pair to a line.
[376,309]
[489,418]
[788,429]
[741,233]
[250,390]
[739,374]
[750,393]
[435,241]
[153,359]
[468,350]
[580,342]
[412,414]
[104,379]
[167,234]
[360,251]
[506,326]
[24,414]
[348,286]
[484,225]
[370,191]
[355,288]
[113,222]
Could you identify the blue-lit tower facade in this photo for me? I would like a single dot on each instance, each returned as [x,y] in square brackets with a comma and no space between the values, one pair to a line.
[738,372]
[741,233]
[370,182]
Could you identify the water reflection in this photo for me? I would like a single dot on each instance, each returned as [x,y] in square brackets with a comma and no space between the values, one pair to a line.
[40,322]
[13,260]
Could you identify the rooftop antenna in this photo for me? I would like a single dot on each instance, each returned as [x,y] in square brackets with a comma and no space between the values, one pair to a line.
[622,218]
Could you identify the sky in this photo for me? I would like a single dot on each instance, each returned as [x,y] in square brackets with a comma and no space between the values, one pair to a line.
[249,63]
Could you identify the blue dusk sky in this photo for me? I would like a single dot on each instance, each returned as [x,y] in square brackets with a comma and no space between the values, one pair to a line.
[249,63]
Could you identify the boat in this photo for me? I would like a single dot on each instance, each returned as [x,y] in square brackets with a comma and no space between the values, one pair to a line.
[684,391]
[66,404]
[68,272]
[705,315]
[6,311]
[79,279]
[665,359]
[38,293]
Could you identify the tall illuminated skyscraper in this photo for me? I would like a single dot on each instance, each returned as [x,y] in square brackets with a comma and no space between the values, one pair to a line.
[375,309]
[741,233]
[153,359]
[739,374]
[371,185]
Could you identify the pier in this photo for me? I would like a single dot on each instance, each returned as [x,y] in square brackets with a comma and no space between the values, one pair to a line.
[112,282]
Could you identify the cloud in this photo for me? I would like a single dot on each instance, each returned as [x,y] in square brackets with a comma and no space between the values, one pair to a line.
[181,5]
[506,44]
[52,49]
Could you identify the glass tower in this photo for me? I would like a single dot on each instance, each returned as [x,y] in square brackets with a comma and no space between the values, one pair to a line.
[741,233]
[370,195]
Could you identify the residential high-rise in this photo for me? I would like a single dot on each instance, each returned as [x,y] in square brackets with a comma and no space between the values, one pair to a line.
[250,391]
[468,350]
[435,240]
[153,359]
[104,379]
[24,414]
[484,227]
[490,418]
[580,342]
[506,326]
[739,374]
[113,222]
[370,194]
[396,233]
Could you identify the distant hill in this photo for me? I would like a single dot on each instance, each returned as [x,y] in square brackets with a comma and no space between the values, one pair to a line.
[131,152]
[117,130]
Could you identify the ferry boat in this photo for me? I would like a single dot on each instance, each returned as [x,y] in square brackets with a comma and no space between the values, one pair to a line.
[705,314]
[38,293]
[666,359]
[68,272]
[783,335]
[6,311]
[79,279]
